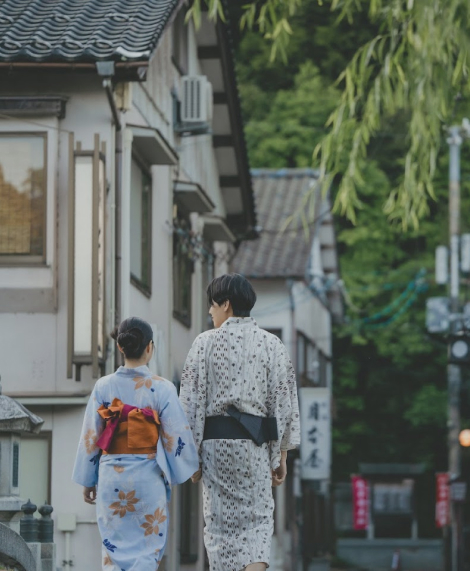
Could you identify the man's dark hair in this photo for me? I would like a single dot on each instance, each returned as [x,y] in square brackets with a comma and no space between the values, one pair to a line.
[233,288]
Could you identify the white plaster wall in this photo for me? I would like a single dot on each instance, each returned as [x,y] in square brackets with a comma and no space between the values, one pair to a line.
[67,496]
[28,345]
[312,318]
[272,309]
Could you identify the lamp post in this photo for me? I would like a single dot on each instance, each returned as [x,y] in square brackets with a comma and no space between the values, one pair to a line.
[444,315]
[458,347]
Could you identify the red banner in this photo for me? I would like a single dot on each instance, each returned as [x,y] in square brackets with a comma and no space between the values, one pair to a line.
[360,502]
[442,500]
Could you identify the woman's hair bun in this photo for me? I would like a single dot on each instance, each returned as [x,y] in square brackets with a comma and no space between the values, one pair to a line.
[133,335]
[130,340]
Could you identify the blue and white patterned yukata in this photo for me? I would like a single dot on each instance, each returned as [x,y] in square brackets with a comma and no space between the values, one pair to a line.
[134,489]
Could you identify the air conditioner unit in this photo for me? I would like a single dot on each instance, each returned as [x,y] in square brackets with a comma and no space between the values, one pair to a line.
[196,100]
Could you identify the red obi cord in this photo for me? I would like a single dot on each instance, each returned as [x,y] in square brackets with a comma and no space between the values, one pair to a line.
[142,431]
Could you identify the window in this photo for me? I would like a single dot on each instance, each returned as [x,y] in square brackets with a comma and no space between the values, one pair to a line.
[141,227]
[180,43]
[311,363]
[22,197]
[35,468]
[182,271]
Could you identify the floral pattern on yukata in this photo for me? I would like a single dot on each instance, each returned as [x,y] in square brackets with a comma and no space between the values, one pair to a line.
[125,503]
[243,365]
[151,525]
[134,489]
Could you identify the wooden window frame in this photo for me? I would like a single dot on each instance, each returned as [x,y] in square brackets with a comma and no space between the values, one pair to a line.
[45,435]
[28,260]
[303,368]
[145,288]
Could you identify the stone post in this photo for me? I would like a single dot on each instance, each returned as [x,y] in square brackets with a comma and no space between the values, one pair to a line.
[28,523]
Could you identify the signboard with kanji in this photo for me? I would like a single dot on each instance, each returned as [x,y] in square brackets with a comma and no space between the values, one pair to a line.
[315,423]
[360,492]
[393,498]
[442,500]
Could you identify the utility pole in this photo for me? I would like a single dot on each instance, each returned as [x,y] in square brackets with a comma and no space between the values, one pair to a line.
[453,370]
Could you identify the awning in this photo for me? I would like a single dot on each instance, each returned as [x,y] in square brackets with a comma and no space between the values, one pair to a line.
[152,146]
[192,198]
[216,230]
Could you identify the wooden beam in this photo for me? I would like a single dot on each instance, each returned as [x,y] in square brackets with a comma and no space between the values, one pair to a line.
[208,52]
[220,98]
[222,141]
[229,181]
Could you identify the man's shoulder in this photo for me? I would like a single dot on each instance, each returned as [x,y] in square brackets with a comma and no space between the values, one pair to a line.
[270,336]
[205,337]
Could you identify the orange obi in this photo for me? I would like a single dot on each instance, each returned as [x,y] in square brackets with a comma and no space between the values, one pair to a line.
[129,430]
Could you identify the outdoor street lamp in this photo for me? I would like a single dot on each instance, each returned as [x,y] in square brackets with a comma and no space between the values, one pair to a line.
[464,438]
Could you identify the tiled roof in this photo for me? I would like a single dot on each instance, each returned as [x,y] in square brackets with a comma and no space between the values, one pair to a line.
[81,30]
[277,254]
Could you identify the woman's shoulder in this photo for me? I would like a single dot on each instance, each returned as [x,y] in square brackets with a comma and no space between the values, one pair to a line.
[104,381]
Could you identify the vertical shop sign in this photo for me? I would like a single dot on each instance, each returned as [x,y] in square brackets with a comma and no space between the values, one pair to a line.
[360,502]
[315,421]
[442,500]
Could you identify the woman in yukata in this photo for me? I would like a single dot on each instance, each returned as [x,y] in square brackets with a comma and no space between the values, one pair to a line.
[239,393]
[135,444]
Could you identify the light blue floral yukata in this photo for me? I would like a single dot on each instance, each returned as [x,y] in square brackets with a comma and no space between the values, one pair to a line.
[134,489]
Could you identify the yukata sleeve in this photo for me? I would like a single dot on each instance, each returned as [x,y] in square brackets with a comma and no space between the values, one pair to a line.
[85,471]
[193,390]
[176,451]
[283,403]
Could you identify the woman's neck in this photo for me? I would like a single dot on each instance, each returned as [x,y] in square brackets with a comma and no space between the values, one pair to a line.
[134,363]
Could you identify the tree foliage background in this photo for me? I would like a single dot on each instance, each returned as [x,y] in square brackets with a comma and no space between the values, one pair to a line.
[389,374]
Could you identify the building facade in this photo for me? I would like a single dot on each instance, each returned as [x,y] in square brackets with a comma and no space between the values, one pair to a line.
[124,188]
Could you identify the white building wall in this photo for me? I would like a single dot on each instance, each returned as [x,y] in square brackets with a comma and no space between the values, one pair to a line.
[312,318]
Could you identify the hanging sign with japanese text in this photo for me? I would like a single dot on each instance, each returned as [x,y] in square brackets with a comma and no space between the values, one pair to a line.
[360,492]
[442,500]
[315,422]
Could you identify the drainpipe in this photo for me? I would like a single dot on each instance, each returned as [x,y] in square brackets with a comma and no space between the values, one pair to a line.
[105,69]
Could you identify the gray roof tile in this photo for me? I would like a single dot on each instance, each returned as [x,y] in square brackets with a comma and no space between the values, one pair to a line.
[81,30]
[276,254]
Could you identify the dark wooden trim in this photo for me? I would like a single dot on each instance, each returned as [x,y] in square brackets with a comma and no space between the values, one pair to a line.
[71,257]
[145,290]
[94,256]
[220,98]
[208,52]
[224,39]
[186,321]
[229,181]
[222,141]
[21,106]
